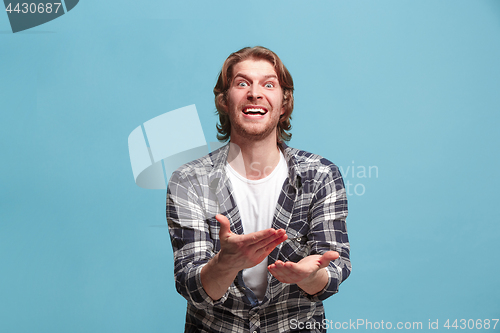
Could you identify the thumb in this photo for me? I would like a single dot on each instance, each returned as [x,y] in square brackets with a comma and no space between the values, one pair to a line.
[224,225]
[327,257]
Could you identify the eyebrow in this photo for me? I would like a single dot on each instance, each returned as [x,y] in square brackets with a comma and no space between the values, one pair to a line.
[270,76]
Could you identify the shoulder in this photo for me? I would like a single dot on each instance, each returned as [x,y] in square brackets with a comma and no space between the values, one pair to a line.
[311,165]
[317,176]
[203,166]
[199,165]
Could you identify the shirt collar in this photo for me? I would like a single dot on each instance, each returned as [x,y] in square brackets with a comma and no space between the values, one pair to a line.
[294,174]
[218,177]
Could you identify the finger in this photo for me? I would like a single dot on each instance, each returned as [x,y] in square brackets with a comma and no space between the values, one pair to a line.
[270,238]
[278,273]
[284,273]
[270,243]
[263,252]
[327,257]
[275,263]
[264,236]
[225,228]
[281,268]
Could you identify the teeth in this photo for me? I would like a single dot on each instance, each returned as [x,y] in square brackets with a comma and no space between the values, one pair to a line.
[256,110]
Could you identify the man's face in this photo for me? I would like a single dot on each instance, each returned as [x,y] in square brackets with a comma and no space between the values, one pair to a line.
[254,101]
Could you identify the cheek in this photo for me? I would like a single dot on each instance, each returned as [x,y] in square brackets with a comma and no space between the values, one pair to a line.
[280,102]
[234,99]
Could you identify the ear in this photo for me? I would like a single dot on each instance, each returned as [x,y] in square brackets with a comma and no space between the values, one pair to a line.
[284,103]
[223,103]
[282,109]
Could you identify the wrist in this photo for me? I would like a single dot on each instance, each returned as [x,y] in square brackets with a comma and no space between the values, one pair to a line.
[223,265]
[216,278]
[315,282]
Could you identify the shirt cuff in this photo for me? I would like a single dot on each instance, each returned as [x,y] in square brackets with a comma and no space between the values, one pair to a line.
[203,300]
[327,290]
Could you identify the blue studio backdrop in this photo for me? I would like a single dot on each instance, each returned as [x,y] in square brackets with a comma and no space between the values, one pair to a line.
[402,95]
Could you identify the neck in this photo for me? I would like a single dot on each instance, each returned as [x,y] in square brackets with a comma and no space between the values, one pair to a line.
[254,159]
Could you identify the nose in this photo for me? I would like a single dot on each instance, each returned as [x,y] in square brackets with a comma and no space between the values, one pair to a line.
[254,92]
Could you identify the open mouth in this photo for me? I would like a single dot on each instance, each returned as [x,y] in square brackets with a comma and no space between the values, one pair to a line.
[257,111]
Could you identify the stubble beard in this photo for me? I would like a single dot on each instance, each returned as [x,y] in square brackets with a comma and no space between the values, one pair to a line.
[250,132]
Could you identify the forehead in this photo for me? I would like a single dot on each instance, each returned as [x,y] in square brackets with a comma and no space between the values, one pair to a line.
[254,67]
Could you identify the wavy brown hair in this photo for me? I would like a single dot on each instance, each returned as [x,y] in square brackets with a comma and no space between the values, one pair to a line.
[226,77]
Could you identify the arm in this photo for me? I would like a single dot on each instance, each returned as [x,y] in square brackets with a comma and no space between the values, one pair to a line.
[190,235]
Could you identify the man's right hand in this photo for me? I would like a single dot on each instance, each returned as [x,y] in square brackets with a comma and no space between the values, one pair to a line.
[244,251]
[237,252]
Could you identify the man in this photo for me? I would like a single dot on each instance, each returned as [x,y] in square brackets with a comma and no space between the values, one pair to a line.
[258,228]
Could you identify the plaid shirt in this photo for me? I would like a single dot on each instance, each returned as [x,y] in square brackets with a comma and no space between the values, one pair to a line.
[312,208]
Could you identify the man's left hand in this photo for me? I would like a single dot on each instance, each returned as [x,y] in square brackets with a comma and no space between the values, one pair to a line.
[308,273]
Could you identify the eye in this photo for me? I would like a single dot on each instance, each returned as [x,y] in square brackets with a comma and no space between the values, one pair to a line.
[269,85]
[242,84]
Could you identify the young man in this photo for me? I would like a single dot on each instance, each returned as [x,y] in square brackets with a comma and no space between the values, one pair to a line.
[258,228]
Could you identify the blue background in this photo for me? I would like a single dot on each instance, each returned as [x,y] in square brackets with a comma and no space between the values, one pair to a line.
[411,87]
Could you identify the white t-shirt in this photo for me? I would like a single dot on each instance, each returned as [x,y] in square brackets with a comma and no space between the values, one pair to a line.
[257,200]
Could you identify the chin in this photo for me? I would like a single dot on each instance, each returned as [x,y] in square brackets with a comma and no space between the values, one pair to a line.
[255,134]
